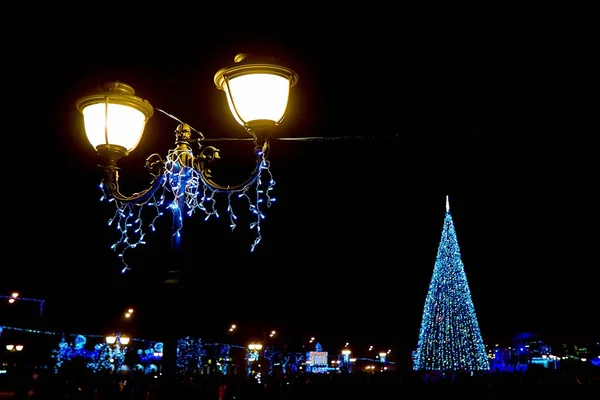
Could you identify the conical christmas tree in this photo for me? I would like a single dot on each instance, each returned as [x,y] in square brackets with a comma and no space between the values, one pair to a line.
[449,339]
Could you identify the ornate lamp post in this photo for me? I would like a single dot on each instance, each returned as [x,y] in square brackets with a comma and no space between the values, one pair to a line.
[253,357]
[117,346]
[257,92]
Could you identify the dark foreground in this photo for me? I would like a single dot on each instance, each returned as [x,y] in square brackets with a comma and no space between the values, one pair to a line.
[538,383]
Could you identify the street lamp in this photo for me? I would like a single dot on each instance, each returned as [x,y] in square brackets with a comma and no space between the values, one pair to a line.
[117,347]
[255,347]
[13,297]
[257,92]
[14,347]
[117,339]
[252,355]
[346,358]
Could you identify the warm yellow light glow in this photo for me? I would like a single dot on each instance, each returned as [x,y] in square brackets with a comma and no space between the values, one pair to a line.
[11,300]
[111,339]
[10,347]
[346,352]
[19,347]
[15,294]
[124,340]
[255,97]
[116,124]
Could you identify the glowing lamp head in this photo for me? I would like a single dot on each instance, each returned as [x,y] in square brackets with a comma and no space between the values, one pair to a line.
[257,91]
[114,118]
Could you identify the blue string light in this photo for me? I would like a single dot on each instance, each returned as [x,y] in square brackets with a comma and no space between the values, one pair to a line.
[189,193]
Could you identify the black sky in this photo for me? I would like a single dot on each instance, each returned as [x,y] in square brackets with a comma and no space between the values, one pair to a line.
[492,116]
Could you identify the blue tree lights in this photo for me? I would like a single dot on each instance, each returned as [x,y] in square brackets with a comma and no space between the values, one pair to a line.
[449,338]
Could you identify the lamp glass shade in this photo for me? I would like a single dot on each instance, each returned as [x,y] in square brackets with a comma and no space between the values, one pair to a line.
[10,347]
[113,124]
[257,96]
[124,340]
[111,339]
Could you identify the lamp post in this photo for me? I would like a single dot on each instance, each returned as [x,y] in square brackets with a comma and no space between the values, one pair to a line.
[117,345]
[346,358]
[257,92]
[253,356]
[16,360]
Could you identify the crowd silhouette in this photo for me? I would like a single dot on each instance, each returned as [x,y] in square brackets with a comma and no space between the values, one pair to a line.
[78,383]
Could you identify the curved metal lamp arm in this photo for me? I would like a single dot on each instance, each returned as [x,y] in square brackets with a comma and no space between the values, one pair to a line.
[157,166]
[210,153]
[110,183]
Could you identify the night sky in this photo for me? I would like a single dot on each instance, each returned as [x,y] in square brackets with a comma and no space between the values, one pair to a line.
[492,117]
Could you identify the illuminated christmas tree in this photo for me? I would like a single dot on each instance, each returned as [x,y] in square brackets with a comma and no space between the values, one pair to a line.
[449,338]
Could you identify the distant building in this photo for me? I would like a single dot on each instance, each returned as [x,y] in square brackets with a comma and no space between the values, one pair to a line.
[526,349]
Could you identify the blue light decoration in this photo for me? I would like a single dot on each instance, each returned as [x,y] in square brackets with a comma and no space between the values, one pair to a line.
[62,354]
[449,338]
[189,193]
[67,351]
[293,362]
[152,354]
[150,357]
[19,298]
[189,354]
[103,358]
[222,354]
[272,358]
